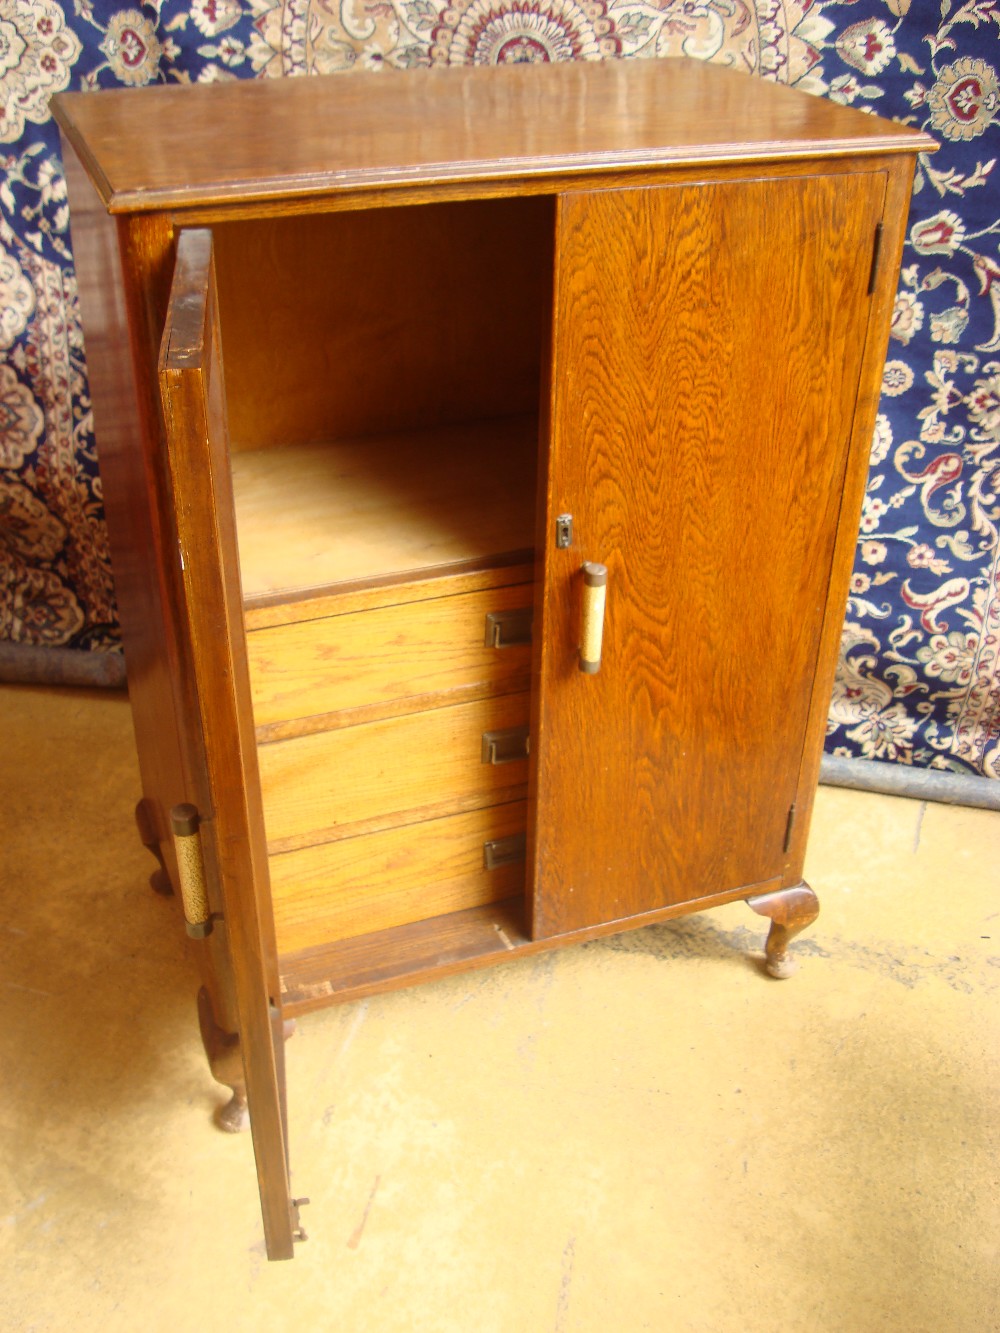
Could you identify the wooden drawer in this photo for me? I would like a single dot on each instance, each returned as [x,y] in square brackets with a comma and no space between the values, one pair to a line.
[342,669]
[340,783]
[379,880]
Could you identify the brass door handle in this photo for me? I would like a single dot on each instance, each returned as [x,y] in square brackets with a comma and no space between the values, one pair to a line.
[595,588]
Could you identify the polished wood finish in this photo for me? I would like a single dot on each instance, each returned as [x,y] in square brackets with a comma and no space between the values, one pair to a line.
[225,1060]
[411,872]
[466,941]
[664,266]
[312,515]
[124,270]
[258,140]
[371,594]
[336,784]
[899,182]
[790,910]
[197,455]
[159,880]
[749,449]
[402,657]
[385,311]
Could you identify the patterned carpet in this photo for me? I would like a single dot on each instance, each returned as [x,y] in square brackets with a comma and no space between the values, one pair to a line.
[919,681]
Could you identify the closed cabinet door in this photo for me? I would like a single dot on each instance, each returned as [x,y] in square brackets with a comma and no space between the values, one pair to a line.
[706,355]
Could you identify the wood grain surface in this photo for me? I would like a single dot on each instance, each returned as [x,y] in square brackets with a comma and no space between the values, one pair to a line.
[336,784]
[263,139]
[899,182]
[356,886]
[350,969]
[343,669]
[401,319]
[312,515]
[699,439]
[197,455]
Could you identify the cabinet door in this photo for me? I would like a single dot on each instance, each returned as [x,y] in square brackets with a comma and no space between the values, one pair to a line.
[706,355]
[191,387]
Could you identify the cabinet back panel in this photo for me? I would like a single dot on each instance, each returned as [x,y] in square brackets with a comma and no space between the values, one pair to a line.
[353,324]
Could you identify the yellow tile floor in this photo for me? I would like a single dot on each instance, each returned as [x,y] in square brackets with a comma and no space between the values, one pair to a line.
[639,1133]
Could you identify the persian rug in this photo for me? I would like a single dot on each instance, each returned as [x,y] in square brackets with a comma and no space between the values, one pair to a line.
[919,681]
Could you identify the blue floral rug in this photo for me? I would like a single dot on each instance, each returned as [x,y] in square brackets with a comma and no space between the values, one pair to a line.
[919,681]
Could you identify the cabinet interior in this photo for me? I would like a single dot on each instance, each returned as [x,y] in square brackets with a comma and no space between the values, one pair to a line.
[385,490]
[402,353]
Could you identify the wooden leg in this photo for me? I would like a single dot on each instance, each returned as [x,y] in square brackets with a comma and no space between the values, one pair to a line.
[226,1064]
[159,880]
[790,911]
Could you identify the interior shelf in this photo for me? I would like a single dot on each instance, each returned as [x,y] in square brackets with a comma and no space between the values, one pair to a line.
[314,515]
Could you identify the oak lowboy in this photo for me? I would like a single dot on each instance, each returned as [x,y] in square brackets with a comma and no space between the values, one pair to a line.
[483,451]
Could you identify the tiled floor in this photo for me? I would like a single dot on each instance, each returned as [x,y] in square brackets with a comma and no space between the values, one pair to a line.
[640,1133]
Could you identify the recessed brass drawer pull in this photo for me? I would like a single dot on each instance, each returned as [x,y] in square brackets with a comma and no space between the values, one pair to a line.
[504,851]
[505,747]
[508,629]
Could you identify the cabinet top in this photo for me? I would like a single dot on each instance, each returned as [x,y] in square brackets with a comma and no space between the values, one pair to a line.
[189,145]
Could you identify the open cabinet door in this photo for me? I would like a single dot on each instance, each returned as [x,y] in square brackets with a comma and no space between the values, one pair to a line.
[231,819]
[703,398]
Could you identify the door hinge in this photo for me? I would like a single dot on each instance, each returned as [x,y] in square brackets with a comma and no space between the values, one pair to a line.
[185,824]
[298,1230]
[876,249]
[789,827]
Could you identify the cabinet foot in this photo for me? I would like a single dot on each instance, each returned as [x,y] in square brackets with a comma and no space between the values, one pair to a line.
[226,1063]
[790,911]
[159,880]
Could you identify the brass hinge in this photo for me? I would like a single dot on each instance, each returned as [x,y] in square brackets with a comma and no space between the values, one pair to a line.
[298,1230]
[185,823]
[789,827]
[876,249]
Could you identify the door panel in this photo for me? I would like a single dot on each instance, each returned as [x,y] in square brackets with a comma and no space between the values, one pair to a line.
[192,392]
[707,349]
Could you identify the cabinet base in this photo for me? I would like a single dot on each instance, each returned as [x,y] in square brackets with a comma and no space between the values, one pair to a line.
[462,941]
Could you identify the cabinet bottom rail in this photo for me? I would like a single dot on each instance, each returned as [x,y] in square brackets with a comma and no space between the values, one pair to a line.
[461,941]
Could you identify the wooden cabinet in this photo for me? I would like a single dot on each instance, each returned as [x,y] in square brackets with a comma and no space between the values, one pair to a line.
[406,356]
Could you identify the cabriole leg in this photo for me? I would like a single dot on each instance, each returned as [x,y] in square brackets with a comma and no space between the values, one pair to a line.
[790,911]
[159,880]
[226,1064]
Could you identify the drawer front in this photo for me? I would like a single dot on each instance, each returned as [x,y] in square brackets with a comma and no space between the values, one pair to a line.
[352,780]
[379,880]
[372,659]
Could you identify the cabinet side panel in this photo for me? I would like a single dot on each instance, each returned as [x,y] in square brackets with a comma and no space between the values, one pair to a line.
[709,342]
[124,418]
[899,182]
[123,273]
